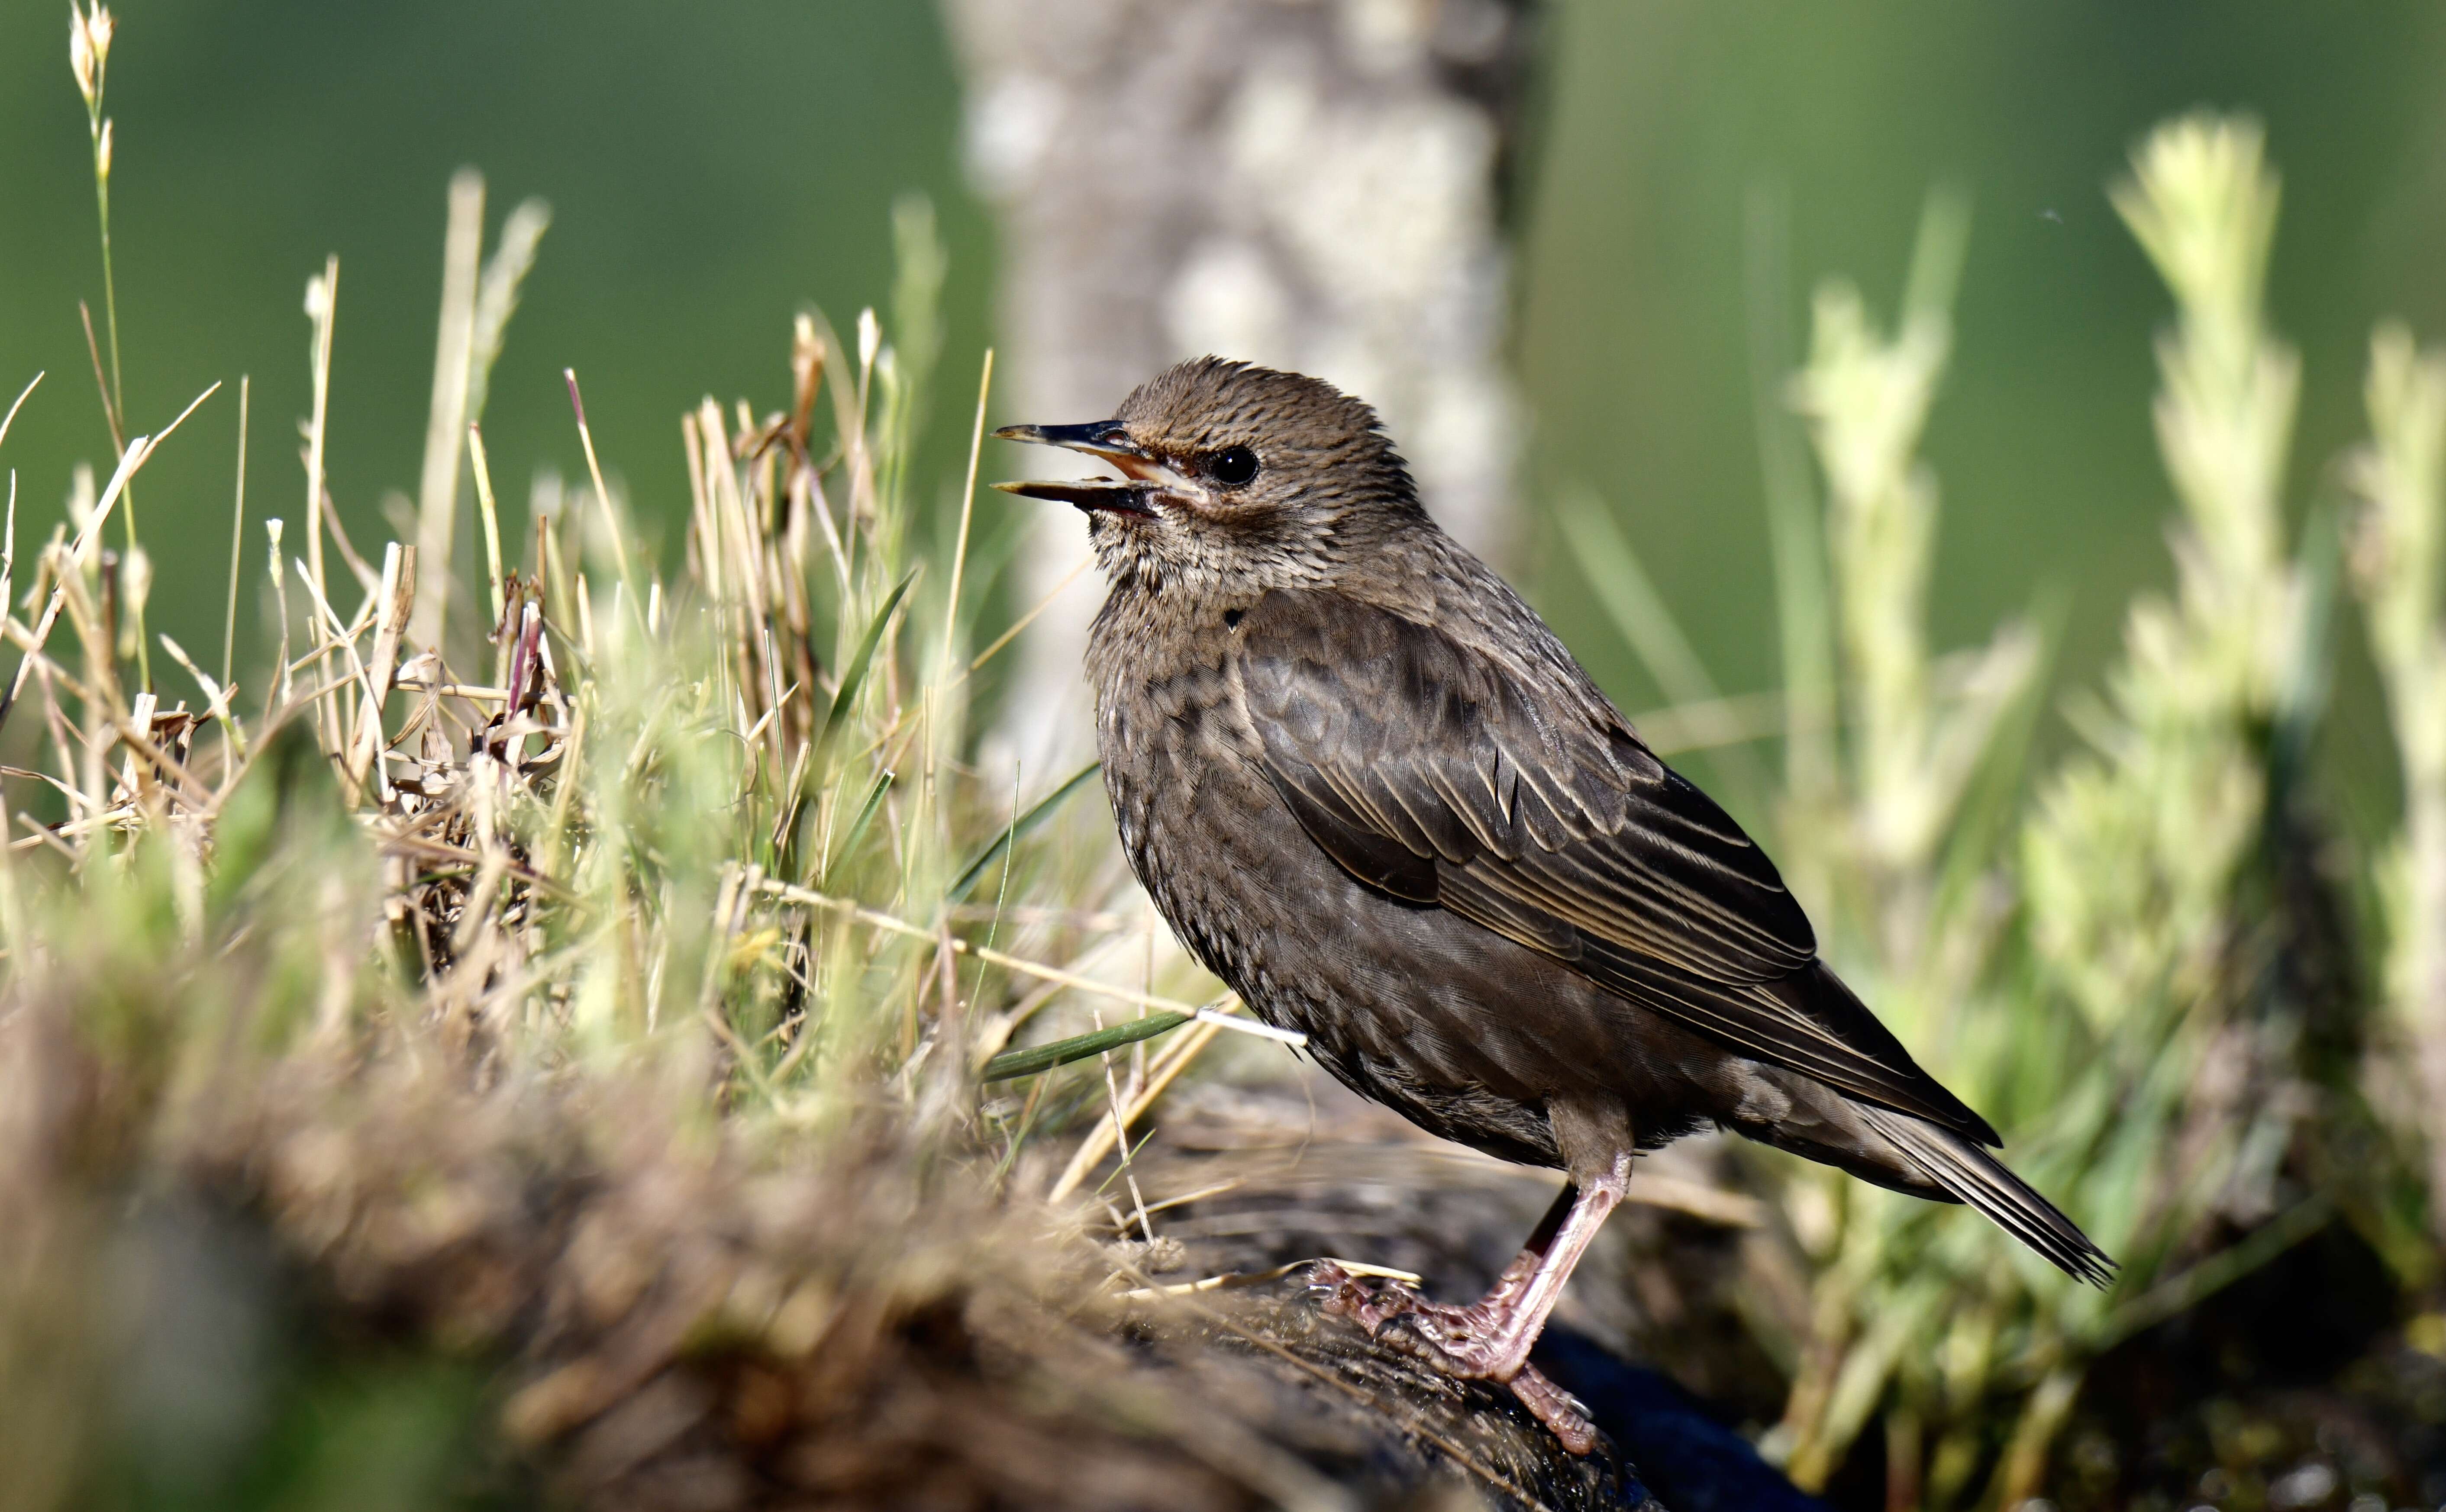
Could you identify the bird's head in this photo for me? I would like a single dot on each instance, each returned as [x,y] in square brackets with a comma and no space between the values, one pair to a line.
[1237,477]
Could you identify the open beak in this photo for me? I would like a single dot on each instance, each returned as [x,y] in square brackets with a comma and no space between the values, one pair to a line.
[1104,439]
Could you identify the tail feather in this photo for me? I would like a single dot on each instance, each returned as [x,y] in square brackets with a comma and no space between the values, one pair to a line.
[1976,1177]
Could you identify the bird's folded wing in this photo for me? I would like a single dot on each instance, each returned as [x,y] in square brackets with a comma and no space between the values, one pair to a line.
[1515,797]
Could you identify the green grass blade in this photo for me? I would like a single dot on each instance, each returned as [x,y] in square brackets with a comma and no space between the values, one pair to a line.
[1018,829]
[856,831]
[1062,1052]
[854,675]
[1629,598]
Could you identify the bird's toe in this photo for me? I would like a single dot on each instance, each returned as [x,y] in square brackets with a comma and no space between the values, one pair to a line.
[1371,1304]
[1462,1339]
[1458,1340]
[1562,1412]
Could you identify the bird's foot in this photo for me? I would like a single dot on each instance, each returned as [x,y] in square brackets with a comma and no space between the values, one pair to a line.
[1463,1341]
[1458,1340]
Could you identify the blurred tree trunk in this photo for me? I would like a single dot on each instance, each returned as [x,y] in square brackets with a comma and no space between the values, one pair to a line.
[1311,185]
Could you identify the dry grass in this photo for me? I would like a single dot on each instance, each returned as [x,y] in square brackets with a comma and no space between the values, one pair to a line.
[584,972]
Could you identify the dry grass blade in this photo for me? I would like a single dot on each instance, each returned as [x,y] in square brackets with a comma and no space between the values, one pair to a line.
[18,403]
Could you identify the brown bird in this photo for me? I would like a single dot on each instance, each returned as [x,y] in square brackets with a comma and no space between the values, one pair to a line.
[1373,793]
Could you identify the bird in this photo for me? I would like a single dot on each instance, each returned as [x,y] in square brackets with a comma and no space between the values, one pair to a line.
[1374,794]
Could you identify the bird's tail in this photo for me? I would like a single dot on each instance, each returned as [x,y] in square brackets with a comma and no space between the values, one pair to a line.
[1978,1178]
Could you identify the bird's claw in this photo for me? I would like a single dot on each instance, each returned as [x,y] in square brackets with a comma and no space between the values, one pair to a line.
[1564,1415]
[1370,1305]
[1453,1340]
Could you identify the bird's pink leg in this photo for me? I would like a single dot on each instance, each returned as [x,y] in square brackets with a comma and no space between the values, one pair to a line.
[1490,1338]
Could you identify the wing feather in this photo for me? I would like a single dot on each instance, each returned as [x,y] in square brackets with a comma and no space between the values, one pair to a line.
[1515,796]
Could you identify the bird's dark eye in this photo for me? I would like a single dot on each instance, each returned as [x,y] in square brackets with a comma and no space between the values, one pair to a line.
[1232,466]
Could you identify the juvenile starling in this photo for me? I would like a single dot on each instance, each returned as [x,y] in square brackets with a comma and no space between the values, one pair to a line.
[1373,793]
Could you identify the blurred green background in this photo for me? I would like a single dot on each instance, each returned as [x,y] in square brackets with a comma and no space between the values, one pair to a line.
[712,170]
[713,167]
[1662,121]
